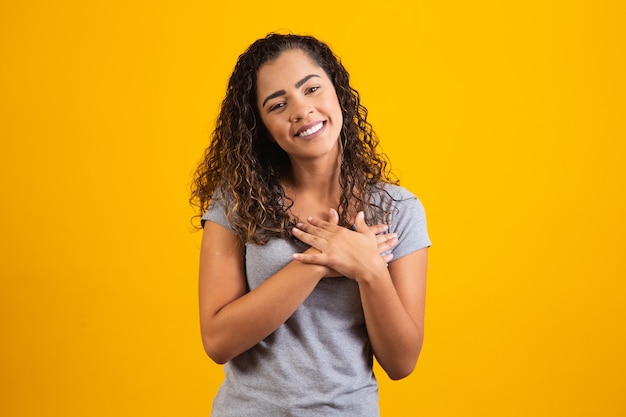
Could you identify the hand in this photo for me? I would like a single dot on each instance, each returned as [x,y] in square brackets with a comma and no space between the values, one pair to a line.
[350,253]
[386,241]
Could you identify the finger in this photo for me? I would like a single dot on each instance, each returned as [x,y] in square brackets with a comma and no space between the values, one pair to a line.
[379,228]
[387,245]
[333,216]
[321,224]
[318,227]
[382,238]
[314,230]
[388,258]
[317,259]
[304,232]
[308,238]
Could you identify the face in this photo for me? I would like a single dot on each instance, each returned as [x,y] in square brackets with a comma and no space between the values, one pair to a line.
[299,106]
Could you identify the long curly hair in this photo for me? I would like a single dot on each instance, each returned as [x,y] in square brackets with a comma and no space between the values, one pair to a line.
[244,167]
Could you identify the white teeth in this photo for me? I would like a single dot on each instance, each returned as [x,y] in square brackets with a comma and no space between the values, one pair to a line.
[311,130]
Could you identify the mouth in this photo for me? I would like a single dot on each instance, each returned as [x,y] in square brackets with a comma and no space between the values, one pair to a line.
[309,130]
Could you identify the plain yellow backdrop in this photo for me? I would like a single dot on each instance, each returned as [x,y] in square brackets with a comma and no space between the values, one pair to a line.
[505,118]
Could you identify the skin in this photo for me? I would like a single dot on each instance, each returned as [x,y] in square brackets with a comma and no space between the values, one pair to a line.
[300,96]
[294,94]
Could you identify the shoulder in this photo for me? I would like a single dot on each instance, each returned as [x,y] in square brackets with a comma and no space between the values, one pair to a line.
[398,192]
[393,193]
[405,215]
[216,212]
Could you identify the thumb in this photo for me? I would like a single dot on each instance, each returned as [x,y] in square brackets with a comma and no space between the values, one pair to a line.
[360,224]
[333,216]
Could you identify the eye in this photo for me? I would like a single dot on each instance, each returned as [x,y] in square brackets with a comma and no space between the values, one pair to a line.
[277,106]
[312,89]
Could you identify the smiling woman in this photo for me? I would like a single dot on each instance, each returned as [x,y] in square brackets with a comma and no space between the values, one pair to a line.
[302,114]
[303,278]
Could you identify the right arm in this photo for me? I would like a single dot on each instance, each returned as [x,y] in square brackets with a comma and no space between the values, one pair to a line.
[233,320]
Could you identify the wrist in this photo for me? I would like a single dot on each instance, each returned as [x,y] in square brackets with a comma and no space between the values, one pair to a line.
[374,274]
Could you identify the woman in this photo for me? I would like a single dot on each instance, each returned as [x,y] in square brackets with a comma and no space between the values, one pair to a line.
[297,292]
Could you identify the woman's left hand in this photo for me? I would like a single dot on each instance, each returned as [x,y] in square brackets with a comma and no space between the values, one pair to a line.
[352,253]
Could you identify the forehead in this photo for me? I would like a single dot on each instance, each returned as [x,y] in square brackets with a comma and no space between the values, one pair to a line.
[287,69]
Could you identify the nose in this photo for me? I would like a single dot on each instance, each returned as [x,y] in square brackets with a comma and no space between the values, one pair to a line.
[300,109]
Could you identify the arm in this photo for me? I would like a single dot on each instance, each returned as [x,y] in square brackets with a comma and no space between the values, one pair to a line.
[394,312]
[392,298]
[232,319]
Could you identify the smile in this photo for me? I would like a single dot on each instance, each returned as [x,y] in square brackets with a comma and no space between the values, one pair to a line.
[311,130]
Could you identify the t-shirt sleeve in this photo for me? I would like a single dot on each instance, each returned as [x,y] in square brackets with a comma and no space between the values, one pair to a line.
[216,212]
[409,222]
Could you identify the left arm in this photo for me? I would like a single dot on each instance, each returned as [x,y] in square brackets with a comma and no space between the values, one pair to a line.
[393,297]
[393,304]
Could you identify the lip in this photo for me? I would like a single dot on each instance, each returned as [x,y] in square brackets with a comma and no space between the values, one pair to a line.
[309,126]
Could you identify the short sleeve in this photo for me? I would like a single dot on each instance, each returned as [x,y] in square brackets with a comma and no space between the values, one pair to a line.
[216,212]
[408,220]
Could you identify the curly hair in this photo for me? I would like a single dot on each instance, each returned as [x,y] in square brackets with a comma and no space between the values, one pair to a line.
[243,166]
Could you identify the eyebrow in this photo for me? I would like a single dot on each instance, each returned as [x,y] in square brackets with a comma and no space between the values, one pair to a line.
[283,92]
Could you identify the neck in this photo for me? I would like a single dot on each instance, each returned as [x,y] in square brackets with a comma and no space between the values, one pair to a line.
[315,178]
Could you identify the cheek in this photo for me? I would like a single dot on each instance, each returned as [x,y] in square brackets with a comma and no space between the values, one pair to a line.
[333,103]
[274,129]
[336,111]
[269,126]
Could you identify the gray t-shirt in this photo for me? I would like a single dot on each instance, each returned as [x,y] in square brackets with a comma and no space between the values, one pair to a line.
[319,362]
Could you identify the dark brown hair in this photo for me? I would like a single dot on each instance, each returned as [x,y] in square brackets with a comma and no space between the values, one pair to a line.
[245,165]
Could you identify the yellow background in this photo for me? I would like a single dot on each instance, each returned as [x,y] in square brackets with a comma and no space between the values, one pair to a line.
[505,118]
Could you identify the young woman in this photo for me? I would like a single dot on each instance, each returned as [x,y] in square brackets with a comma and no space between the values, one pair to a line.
[312,260]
